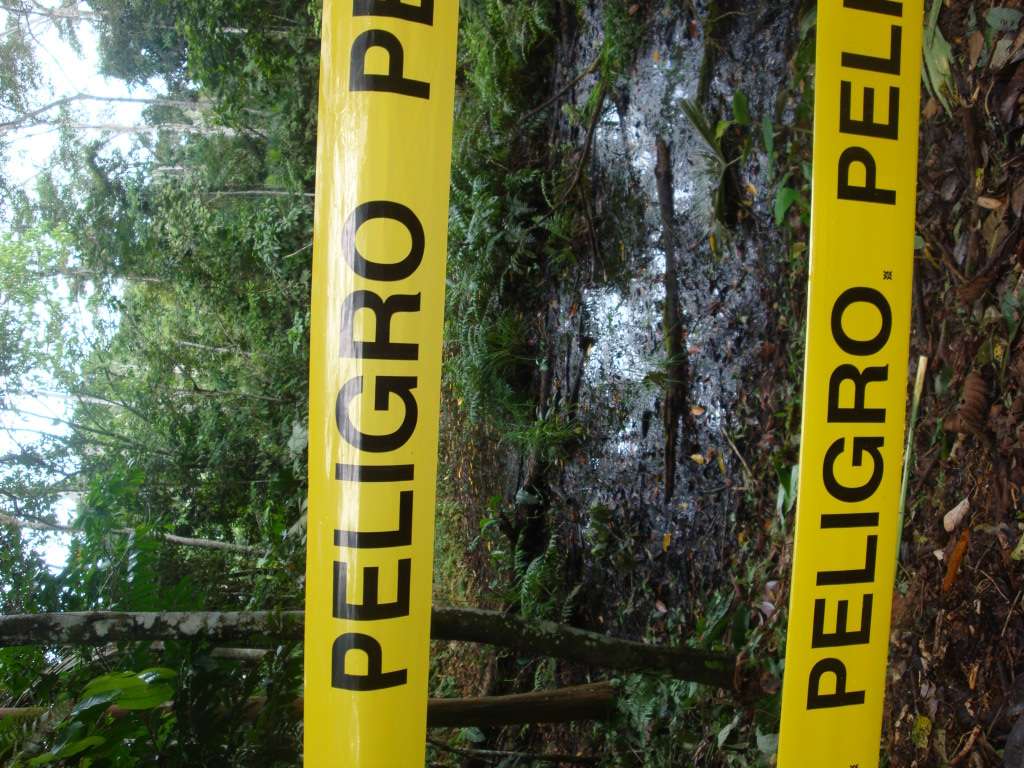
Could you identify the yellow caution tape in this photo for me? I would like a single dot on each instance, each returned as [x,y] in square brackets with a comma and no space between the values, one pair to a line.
[383,172]
[868,79]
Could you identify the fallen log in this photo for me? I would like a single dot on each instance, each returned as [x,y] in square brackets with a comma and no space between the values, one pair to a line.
[528,637]
[594,701]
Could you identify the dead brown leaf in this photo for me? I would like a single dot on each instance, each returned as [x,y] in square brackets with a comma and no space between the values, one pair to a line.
[974,46]
[1017,198]
[955,559]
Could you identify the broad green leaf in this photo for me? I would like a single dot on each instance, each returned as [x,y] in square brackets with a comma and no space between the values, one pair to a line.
[68,750]
[740,108]
[157,675]
[1003,19]
[88,703]
[722,127]
[77,747]
[937,56]
[723,734]
[767,743]
[150,697]
[131,691]
[115,681]
[784,199]
[808,23]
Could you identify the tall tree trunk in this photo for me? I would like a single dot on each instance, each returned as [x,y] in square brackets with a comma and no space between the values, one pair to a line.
[33,116]
[533,638]
[185,541]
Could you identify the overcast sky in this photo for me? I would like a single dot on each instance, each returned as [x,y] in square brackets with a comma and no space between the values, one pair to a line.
[66,73]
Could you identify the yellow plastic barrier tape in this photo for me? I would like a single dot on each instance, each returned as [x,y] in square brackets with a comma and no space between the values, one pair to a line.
[867,87]
[383,171]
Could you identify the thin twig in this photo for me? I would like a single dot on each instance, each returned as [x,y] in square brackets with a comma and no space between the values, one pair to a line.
[598,109]
[746,467]
[560,92]
[292,255]
[975,733]
[908,455]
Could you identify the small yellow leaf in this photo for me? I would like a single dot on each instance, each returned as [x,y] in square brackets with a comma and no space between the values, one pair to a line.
[666,540]
[698,458]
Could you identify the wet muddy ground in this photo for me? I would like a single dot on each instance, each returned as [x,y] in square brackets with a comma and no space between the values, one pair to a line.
[669,477]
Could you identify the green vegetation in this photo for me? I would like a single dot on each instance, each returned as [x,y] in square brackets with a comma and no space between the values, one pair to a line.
[180,406]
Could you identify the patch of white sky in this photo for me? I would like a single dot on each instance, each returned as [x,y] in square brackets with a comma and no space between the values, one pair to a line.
[66,72]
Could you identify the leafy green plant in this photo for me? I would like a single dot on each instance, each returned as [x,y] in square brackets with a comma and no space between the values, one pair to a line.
[118,715]
[548,438]
[937,69]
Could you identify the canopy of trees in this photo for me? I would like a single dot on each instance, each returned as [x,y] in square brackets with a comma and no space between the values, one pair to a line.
[154,311]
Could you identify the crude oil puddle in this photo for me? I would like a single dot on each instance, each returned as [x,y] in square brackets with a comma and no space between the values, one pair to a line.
[608,335]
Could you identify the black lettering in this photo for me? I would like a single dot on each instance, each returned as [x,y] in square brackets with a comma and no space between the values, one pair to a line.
[864,575]
[886,7]
[867,125]
[375,270]
[841,698]
[381,348]
[382,539]
[847,299]
[394,81]
[371,609]
[421,14]
[375,678]
[385,386]
[850,520]
[860,380]
[886,65]
[861,445]
[869,193]
[387,473]
[842,636]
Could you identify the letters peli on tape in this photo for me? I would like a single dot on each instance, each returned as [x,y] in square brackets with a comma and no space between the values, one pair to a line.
[383,171]
[855,381]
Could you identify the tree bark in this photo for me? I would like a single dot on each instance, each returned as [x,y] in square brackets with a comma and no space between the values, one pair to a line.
[546,638]
[170,538]
[29,118]
[595,701]
[533,638]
